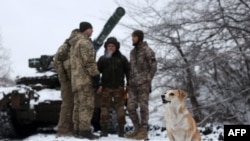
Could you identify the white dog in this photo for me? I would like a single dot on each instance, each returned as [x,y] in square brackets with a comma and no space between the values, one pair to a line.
[180,125]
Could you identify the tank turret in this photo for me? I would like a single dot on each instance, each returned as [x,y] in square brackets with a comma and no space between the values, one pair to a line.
[42,64]
[46,76]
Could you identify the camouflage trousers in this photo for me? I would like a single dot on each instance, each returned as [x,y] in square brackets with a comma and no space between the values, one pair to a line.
[83,108]
[65,123]
[138,96]
[109,94]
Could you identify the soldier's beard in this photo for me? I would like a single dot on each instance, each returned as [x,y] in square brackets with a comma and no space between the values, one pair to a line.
[135,44]
[108,53]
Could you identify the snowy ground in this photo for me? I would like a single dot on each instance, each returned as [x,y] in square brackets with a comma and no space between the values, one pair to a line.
[42,137]
[157,135]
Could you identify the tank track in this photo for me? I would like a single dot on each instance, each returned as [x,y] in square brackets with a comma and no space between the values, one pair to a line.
[6,125]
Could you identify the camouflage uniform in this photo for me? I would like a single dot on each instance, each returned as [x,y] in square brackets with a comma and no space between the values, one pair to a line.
[107,95]
[62,64]
[83,68]
[143,67]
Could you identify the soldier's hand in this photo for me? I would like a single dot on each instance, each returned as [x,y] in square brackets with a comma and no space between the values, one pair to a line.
[99,90]
[95,81]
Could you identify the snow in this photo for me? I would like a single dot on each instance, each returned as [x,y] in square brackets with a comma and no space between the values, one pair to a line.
[42,137]
[34,73]
[49,94]
[19,88]
[44,94]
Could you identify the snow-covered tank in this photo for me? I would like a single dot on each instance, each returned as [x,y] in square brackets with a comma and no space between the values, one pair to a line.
[34,102]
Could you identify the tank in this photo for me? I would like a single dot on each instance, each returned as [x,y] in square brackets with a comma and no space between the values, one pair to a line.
[34,102]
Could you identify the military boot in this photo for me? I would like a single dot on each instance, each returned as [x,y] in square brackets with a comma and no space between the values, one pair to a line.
[121,130]
[88,135]
[76,133]
[134,133]
[142,134]
[104,130]
[95,121]
[61,133]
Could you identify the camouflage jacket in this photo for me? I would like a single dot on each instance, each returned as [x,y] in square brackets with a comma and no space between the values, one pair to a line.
[143,65]
[62,59]
[83,63]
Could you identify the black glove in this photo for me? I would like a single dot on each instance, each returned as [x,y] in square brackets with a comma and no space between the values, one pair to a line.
[95,81]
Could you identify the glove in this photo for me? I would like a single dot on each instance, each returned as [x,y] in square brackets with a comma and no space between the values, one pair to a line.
[95,81]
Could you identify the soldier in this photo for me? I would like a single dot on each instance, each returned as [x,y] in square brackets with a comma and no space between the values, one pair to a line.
[114,67]
[83,69]
[143,67]
[62,65]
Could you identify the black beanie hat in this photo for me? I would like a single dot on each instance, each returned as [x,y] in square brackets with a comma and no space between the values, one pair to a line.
[112,40]
[84,26]
[139,34]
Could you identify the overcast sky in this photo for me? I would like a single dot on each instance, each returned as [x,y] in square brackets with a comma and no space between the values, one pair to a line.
[30,28]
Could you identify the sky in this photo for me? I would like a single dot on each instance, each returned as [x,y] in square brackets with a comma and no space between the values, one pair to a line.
[31,28]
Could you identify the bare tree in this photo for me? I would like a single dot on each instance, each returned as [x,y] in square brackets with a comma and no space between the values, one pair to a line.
[4,66]
[203,48]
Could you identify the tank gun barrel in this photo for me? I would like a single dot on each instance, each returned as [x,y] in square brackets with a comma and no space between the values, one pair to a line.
[108,27]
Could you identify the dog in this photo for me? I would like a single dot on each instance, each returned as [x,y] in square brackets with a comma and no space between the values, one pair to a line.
[180,125]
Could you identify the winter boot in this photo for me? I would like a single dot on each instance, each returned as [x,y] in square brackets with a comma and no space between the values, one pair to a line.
[88,135]
[121,130]
[95,121]
[104,132]
[61,133]
[76,133]
[142,134]
[134,133]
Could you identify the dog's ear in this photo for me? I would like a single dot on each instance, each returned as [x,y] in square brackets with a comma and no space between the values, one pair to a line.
[182,94]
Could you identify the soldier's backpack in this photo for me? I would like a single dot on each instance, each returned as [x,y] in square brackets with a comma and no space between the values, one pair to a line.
[63,51]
